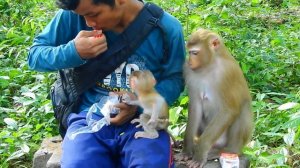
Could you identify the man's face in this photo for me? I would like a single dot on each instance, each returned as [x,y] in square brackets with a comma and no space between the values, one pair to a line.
[101,16]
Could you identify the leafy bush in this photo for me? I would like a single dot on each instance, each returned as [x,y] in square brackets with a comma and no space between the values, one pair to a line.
[25,111]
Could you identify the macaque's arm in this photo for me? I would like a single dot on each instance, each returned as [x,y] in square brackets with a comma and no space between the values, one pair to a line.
[126,99]
[157,107]
[133,103]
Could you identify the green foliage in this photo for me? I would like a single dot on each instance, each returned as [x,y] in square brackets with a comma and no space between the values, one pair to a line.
[25,112]
[263,35]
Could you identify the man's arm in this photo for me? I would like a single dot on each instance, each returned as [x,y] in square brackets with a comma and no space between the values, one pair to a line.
[53,48]
[171,83]
[65,43]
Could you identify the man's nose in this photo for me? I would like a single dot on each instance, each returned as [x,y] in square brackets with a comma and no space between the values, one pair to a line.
[90,22]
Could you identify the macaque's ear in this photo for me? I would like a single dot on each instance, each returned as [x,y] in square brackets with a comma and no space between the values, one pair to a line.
[214,42]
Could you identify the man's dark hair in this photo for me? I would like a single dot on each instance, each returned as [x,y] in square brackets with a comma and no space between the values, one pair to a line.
[72,4]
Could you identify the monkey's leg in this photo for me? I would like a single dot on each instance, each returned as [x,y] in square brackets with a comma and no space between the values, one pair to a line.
[136,120]
[220,122]
[239,134]
[235,140]
[148,132]
[218,147]
[143,119]
[143,134]
[236,143]
[240,131]
[214,153]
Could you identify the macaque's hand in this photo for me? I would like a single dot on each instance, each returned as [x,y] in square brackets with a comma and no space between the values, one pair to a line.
[90,44]
[200,154]
[126,98]
[127,112]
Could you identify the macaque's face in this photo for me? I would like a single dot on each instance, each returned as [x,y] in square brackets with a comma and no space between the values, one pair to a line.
[142,81]
[198,56]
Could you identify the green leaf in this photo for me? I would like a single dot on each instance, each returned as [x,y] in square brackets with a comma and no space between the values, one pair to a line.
[287,106]
[11,122]
[293,123]
[255,2]
[289,137]
[29,94]
[25,148]
[174,114]
[184,101]
[16,155]
[4,81]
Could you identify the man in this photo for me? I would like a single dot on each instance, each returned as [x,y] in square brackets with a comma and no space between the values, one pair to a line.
[69,41]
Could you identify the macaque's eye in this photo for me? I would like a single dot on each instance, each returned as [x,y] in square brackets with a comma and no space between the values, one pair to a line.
[193,52]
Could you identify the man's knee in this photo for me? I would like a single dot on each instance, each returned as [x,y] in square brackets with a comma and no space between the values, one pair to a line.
[85,161]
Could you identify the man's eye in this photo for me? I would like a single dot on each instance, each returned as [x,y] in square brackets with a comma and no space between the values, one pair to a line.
[94,15]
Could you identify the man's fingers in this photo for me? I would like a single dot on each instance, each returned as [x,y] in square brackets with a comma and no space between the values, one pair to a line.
[86,33]
[90,47]
[126,113]
[116,120]
[95,41]
[98,33]
[100,49]
[121,105]
[121,118]
[90,33]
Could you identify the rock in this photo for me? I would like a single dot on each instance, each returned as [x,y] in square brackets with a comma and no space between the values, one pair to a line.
[49,154]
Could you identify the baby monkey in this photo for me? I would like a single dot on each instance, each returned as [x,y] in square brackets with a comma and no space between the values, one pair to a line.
[155,115]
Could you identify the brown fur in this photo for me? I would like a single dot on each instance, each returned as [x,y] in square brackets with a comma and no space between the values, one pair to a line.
[220,117]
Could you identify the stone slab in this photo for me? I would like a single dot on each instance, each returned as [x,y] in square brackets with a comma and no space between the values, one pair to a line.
[49,154]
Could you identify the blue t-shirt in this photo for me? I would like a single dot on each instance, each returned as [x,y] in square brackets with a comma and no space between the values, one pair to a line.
[54,49]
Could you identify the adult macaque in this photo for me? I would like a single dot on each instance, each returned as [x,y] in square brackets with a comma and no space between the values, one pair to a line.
[220,117]
[155,115]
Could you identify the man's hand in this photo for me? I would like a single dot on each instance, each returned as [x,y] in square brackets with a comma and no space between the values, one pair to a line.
[127,112]
[90,44]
